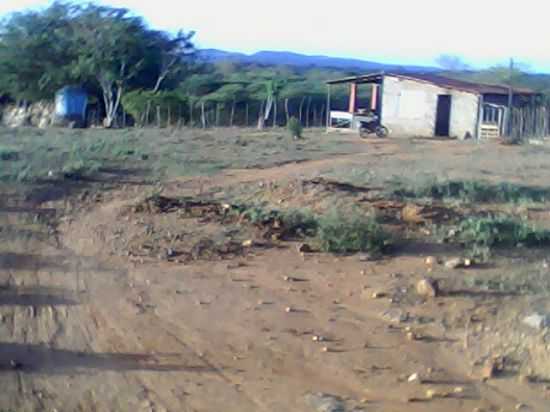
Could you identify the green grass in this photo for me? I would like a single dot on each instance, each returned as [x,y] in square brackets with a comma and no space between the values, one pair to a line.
[470,191]
[481,235]
[158,154]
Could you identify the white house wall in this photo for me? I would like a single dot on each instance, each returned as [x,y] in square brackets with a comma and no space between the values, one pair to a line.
[409,108]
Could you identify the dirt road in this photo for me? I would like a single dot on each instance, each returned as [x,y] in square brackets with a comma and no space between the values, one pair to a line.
[83,328]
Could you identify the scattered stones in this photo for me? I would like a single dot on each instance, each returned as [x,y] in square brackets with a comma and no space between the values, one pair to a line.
[537,320]
[396,316]
[428,288]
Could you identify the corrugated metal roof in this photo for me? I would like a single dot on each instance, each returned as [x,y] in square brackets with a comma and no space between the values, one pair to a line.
[441,81]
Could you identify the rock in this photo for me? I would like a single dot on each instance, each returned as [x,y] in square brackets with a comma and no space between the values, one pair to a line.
[454,263]
[364,257]
[412,336]
[521,406]
[431,394]
[431,261]
[428,288]
[414,378]
[492,367]
[248,243]
[537,321]
[379,295]
[395,316]
[322,402]
[304,248]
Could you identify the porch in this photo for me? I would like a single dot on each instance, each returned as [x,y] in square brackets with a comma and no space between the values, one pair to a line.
[356,112]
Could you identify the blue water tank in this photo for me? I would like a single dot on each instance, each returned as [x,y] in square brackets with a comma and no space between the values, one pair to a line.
[70,103]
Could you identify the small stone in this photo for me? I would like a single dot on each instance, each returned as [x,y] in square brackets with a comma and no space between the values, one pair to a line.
[454,263]
[288,309]
[431,394]
[364,257]
[363,273]
[414,378]
[318,338]
[431,260]
[411,336]
[458,389]
[537,321]
[379,295]
[427,288]
[521,406]
[248,243]
[325,349]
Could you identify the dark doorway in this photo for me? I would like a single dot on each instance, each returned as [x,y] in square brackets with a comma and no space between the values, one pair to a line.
[443,115]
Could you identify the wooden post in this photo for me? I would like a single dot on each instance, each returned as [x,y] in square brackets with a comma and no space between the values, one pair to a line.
[203,116]
[510,99]
[328,107]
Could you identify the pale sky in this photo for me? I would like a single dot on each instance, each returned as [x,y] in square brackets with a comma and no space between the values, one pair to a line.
[483,32]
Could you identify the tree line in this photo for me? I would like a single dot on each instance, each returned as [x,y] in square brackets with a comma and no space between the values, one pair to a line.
[136,74]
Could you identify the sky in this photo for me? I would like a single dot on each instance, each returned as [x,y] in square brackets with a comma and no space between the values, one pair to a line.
[482,32]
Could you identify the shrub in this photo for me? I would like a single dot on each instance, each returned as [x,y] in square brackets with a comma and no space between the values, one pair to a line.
[295,128]
[79,169]
[480,234]
[343,233]
[472,191]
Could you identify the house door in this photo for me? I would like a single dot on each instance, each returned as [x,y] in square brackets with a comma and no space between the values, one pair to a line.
[443,115]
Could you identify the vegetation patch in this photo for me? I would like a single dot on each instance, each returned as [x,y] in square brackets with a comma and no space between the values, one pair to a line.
[472,191]
[340,232]
[481,234]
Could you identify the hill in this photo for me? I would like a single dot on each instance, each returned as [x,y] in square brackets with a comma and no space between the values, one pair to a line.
[307,61]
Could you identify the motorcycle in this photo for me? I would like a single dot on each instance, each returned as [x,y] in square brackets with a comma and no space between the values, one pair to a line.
[370,124]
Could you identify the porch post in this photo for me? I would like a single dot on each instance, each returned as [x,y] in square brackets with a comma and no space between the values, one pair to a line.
[352,98]
[479,118]
[374,97]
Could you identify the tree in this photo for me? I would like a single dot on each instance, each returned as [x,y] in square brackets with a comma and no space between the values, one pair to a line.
[173,51]
[111,48]
[36,51]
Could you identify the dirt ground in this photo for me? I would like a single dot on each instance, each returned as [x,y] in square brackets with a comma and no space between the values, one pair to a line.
[106,306]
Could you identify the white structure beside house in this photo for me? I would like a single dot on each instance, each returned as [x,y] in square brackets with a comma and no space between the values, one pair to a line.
[428,105]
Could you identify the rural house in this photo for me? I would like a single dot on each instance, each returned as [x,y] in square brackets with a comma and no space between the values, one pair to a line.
[428,105]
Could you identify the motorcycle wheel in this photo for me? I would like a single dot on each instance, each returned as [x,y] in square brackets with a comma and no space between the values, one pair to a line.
[363,132]
[381,131]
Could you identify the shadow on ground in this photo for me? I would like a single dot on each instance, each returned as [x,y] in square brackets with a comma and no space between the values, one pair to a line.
[36,296]
[27,358]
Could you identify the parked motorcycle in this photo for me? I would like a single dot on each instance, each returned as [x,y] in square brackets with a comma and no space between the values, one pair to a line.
[370,124]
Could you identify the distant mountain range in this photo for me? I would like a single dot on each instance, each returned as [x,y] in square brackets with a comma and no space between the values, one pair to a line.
[305,61]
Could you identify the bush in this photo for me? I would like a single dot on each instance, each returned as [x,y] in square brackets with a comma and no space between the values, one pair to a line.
[472,191]
[294,128]
[480,234]
[343,233]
